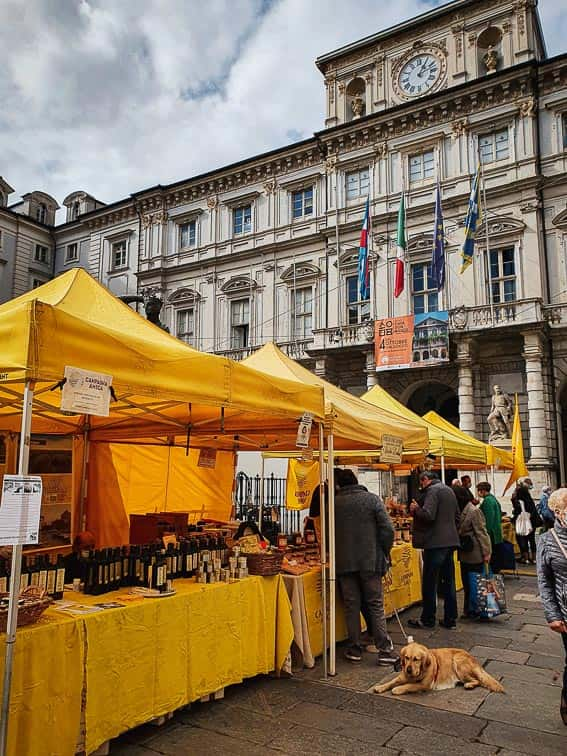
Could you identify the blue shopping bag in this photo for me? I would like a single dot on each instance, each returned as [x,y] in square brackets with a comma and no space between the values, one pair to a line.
[488,596]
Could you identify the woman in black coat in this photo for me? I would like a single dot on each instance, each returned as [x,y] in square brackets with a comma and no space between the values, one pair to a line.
[522,499]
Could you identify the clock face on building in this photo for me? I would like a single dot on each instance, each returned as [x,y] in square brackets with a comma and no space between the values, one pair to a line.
[419,74]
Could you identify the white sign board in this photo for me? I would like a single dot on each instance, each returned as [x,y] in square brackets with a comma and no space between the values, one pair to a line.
[86,393]
[392,447]
[304,430]
[20,509]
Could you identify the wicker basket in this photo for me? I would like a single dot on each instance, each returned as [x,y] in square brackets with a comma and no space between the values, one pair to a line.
[265,563]
[33,602]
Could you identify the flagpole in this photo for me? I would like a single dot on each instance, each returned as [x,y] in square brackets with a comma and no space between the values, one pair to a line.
[339,286]
[372,292]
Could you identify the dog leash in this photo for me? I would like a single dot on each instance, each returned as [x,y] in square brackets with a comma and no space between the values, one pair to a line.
[388,583]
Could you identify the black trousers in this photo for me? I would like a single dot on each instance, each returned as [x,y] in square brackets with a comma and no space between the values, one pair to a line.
[527,543]
[564,639]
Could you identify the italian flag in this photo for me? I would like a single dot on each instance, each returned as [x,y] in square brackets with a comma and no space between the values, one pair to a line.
[401,248]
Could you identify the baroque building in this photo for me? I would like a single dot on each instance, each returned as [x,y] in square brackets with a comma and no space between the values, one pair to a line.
[267,248]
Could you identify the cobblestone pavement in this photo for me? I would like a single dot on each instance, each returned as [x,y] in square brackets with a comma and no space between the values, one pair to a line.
[305,715]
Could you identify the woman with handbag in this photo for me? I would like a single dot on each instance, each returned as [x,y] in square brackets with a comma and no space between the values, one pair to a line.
[552,578]
[475,551]
[526,520]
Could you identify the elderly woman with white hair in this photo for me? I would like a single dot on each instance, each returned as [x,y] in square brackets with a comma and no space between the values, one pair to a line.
[552,577]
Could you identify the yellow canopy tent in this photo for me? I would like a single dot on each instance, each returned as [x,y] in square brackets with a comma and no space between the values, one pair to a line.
[354,423]
[494,456]
[455,448]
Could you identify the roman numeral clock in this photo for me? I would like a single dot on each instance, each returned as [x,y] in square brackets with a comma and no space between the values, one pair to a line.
[420,71]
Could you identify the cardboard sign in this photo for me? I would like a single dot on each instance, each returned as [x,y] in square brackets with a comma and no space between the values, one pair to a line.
[392,447]
[86,393]
[207,458]
[304,431]
[20,510]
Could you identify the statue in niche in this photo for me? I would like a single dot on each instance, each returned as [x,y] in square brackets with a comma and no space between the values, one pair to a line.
[153,307]
[490,60]
[357,107]
[501,415]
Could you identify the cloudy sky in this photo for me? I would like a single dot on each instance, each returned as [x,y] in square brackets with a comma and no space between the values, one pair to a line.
[112,96]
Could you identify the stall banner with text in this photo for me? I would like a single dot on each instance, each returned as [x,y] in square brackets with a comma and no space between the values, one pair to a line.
[412,340]
[302,480]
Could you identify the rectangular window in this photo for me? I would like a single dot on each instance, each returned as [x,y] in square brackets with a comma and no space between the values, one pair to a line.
[503,275]
[357,184]
[120,254]
[421,167]
[41,254]
[425,297]
[242,220]
[302,312]
[36,282]
[185,325]
[239,323]
[302,202]
[357,310]
[493,146]
[564,130]
[187,234]
[71,253]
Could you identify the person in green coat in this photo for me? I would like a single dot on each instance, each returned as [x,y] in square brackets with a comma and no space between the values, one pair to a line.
[492,512]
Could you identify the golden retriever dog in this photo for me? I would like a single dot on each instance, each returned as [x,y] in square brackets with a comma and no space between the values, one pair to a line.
[426,669]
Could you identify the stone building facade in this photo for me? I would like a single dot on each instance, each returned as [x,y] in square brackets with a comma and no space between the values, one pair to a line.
[266,249]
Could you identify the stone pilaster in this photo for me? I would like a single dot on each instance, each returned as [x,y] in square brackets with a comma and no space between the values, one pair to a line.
[533,355]
[465,352]
[370,369]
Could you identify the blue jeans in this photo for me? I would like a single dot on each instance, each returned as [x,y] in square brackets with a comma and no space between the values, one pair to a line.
[438,563]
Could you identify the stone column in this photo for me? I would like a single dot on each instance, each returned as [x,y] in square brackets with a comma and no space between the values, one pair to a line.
[465,348]
[370,369]
[535,389]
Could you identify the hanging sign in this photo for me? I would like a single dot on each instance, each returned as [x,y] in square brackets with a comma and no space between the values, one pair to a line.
[412,341]
[85,392]
[20,509]
[304,430]
[392,447]
[207,458]
[302,480]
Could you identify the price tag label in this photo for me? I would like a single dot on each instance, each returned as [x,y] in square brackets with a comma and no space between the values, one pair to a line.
[304,430]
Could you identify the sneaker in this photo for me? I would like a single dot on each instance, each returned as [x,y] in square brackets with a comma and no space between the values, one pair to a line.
[419,625]
[448,625]
[387,656]
[353,655]
[371,649]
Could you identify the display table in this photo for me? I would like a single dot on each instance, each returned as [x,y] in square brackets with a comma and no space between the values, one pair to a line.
[140,661]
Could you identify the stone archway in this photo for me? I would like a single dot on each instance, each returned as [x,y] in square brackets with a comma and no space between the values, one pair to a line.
[437,397]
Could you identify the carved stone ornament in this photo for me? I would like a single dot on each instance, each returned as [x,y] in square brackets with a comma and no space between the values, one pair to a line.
[458,34]
[500,417]
[270,186]
[472,39]
[331,164]
[528,108]
[459,318]
[459,128]
[212,202]
[161,216]
[146,220]
[368,331]
[357,107]
[342,87]
[368,77]
[381,149]
[490,60]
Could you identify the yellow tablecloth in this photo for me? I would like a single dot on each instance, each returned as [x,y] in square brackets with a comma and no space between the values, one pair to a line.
[141,660]
[509,534]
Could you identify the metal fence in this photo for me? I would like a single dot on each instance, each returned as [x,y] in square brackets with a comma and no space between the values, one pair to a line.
[247,500]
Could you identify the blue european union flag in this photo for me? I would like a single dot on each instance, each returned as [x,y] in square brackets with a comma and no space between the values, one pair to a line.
[471,222]
[438,255]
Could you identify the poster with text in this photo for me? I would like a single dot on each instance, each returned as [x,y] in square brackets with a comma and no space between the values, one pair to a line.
[85,392]
[20,509]
[412,341]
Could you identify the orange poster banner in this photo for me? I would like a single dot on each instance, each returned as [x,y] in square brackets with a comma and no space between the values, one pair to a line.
[393,340]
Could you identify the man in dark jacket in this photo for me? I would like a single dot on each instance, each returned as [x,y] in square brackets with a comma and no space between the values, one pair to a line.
[435,530]
[364,537]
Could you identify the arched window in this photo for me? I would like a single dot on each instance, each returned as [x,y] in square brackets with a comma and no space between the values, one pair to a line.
[416,356]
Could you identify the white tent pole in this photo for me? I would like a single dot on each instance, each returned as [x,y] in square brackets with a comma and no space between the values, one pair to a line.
[261,507]
[12,624]
[493,478]
[323,544]
[332,570]
[443,468]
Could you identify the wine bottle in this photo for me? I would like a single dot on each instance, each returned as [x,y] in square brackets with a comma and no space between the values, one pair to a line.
[34,573]
[42,573]
[3,576]
[91,575]
[59,578]
[162,570]
[125,567]
[51,577]
[24,575]
[117,559]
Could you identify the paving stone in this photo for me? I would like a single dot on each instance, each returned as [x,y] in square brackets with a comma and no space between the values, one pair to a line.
[457,699]
[522,672]
[119,748]
[513,707]
[273,696]
[468,638]
[415,740]
[548,644]
[253,726]
[347,723]
[196,740]
[546,661]
[500,654]
[306,740]
[541,629]
[396,710]
[523,739]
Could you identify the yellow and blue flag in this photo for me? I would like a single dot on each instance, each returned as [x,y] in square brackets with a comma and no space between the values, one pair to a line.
[472,221]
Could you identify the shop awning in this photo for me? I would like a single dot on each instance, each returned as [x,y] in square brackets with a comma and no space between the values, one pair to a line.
[164,388]
[494,456]
[354,423]
[456,447]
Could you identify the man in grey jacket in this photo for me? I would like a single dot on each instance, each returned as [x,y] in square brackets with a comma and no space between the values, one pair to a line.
[435,530]
[364,537]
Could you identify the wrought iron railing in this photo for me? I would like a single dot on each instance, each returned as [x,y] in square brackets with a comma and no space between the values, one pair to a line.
[276,517]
